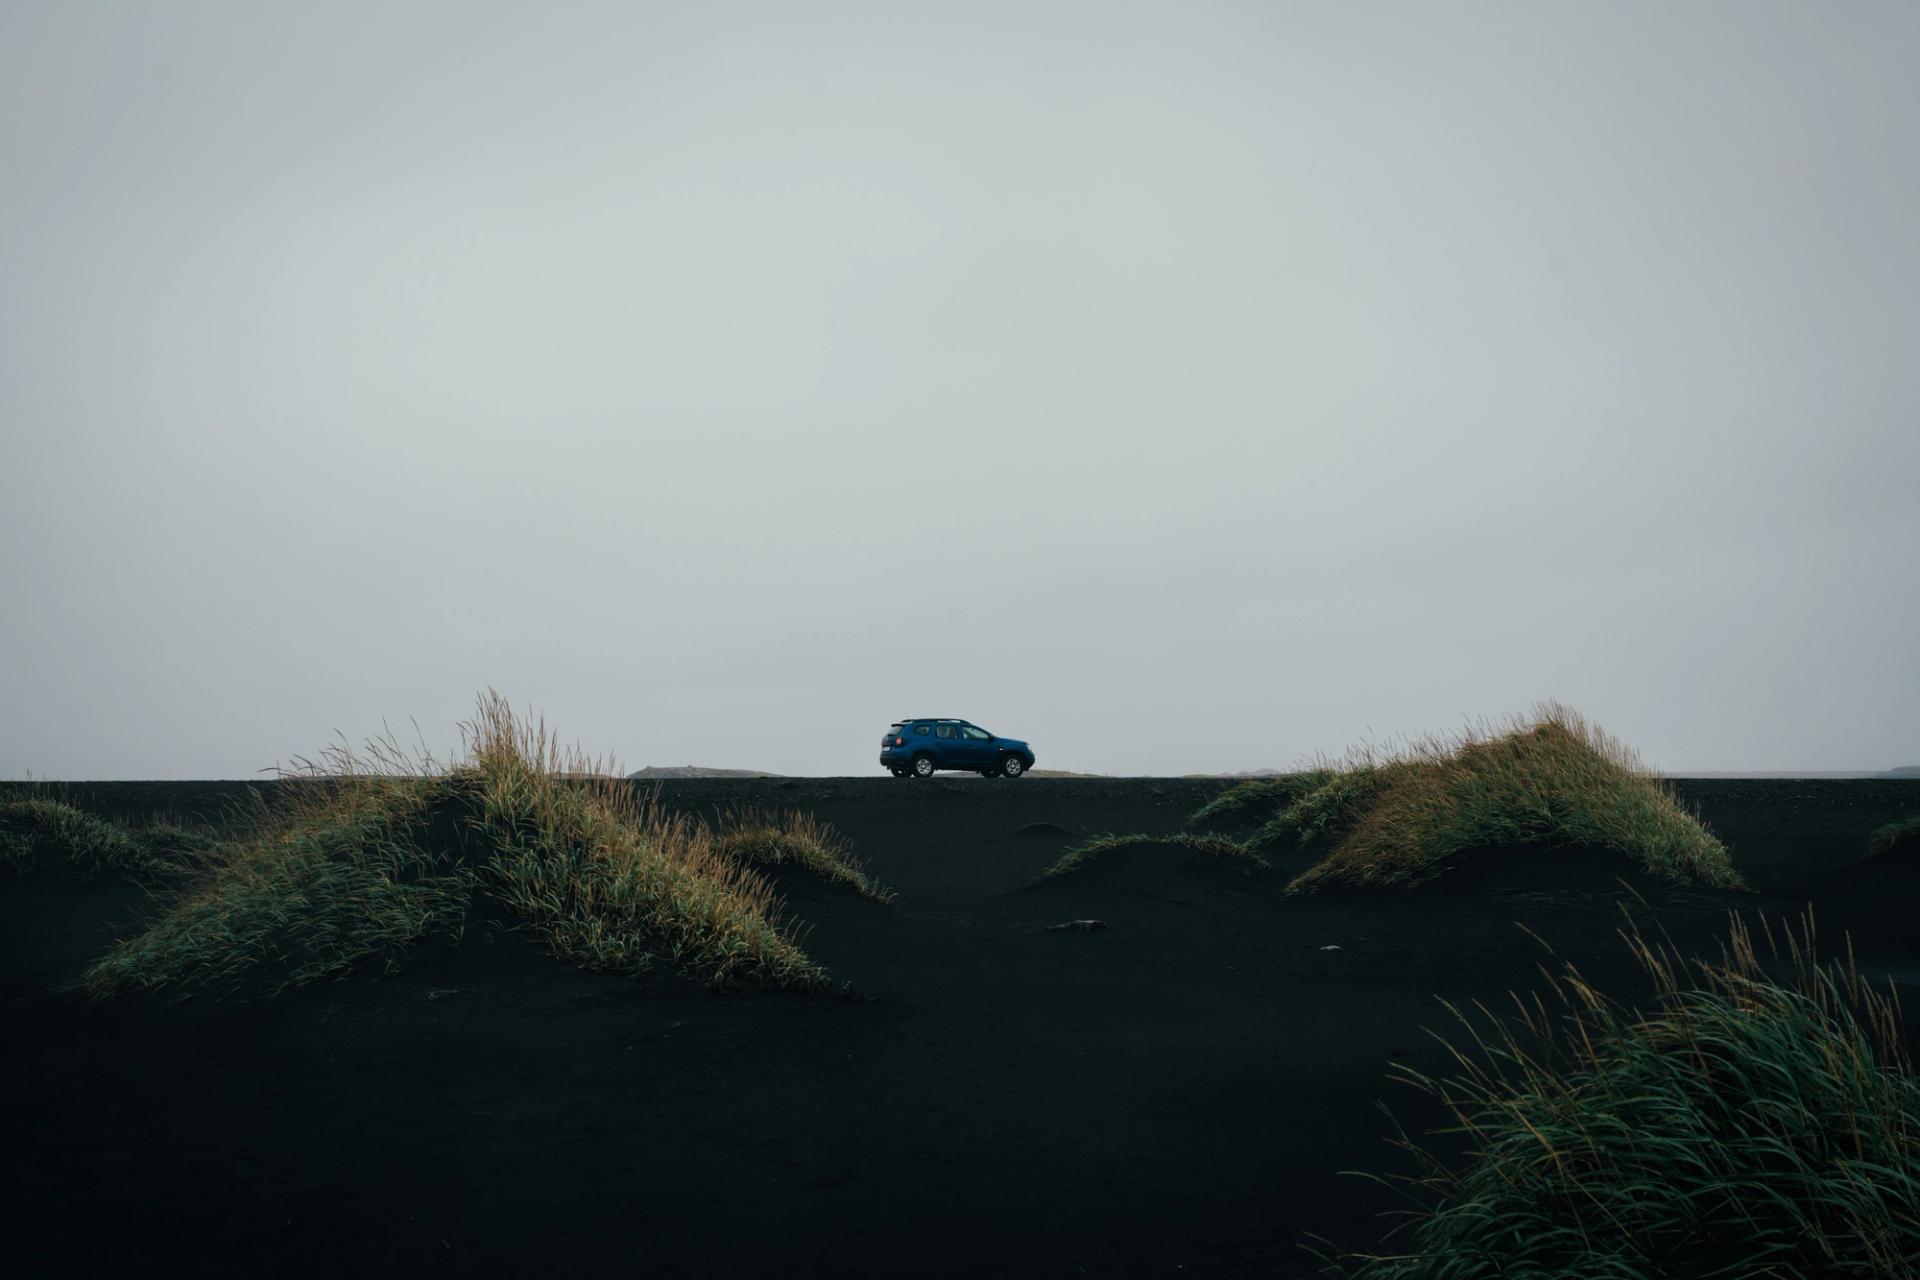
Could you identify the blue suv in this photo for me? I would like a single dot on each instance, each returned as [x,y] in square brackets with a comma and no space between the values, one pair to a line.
[915,748]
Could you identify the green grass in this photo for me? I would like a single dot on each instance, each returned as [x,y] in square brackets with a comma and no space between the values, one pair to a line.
[338,873]
[1750,1119]
[359,858]
[40,828]
[178,844]
[1396,820]
[1231,854]
[1259,795]
[1903,835]
[758,838]
[1332,806]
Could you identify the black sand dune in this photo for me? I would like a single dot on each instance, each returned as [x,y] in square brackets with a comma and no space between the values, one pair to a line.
[1171,1095]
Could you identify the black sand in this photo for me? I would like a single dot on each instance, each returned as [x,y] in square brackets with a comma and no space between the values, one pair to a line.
[1171,1095]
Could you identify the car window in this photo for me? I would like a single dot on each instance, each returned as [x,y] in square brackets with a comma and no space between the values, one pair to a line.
[922,729]
[975,732]
[943,731]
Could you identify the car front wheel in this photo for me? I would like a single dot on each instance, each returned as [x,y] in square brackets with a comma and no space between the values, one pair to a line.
[1013,767]
[923,766]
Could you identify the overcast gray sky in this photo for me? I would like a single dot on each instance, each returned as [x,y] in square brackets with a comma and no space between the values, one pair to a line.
[1183,387]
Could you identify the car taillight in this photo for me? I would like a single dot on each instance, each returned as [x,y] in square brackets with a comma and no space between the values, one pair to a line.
[899,742]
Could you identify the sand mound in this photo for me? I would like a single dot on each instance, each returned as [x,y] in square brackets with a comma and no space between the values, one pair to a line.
[1038,830]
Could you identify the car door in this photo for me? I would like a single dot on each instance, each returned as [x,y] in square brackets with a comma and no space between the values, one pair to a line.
[947,748]
[976,746]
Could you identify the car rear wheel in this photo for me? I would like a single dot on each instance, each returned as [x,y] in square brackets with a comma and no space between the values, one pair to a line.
[1013,766]
[923,766]
[896,771]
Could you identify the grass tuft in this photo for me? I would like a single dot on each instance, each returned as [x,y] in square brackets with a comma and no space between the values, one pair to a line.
[608,879]
[337,872]
[40,828]
[1552,779]
[758,838]
[178,844]
[1229,853]
[1902,836]
[1332,806]
[1261,795]
[1738,1124]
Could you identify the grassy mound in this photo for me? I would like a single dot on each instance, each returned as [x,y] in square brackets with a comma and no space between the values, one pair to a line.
[177,844]
[1229,854]
[1550,780]
[1738,1125]
[41,828]
[336,873]
[1900,839]
[757,838]
[1260,795]
[360,858]
[608,879]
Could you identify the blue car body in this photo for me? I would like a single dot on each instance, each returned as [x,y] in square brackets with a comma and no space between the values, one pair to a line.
[918,747]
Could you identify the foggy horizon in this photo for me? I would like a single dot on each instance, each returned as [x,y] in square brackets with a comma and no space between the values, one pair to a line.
[1183,389]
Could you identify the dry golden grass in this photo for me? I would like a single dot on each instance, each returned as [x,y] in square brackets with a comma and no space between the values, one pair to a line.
[606,877]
